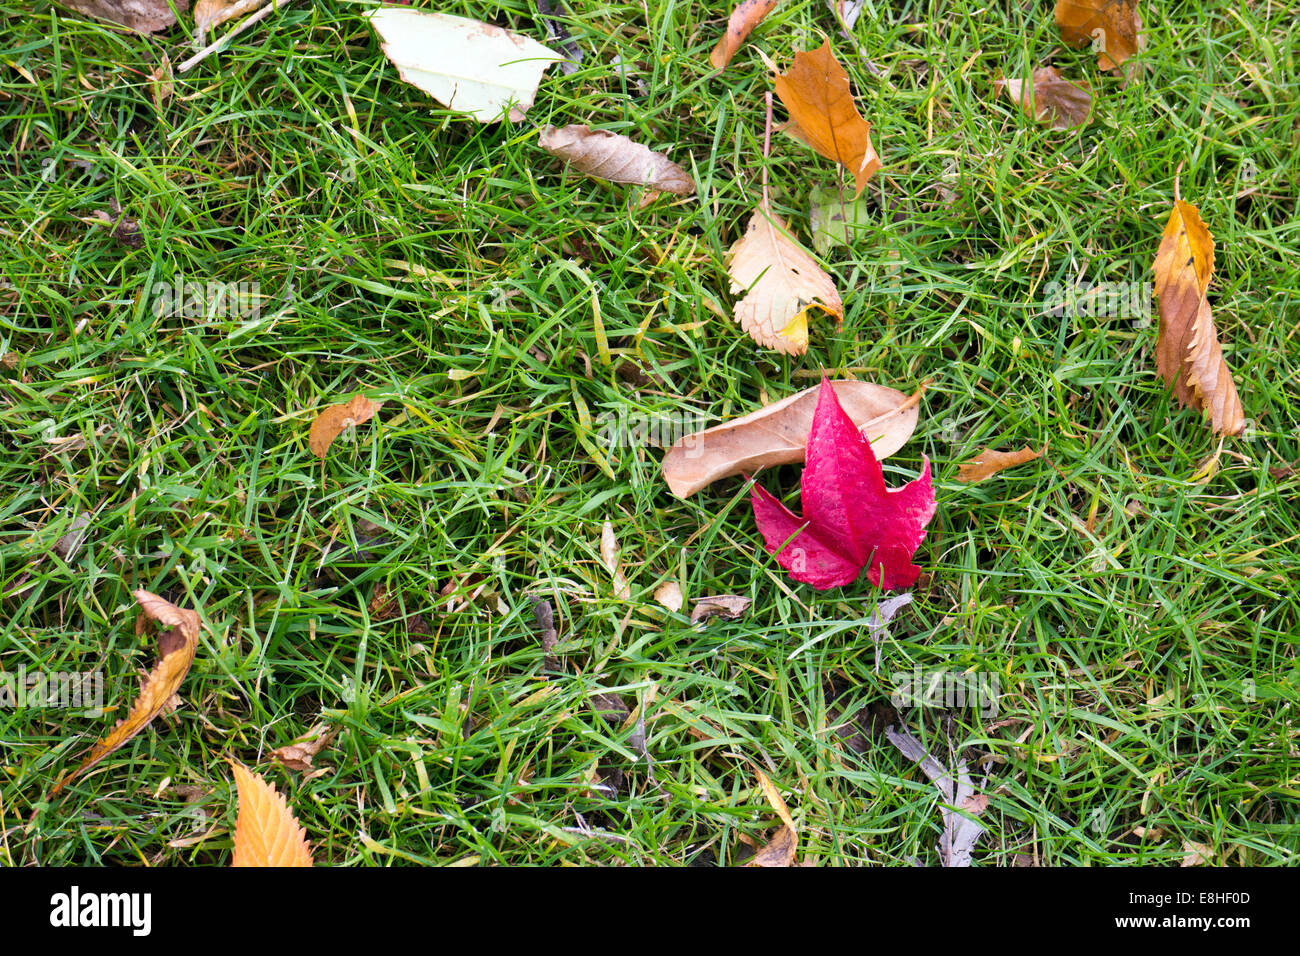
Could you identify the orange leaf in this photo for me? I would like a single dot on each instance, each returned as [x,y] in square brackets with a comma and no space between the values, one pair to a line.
[747,15]
[330,423]
[816,93]
[1113,27]
[1188,356]
[1051,96]
[989,462]
[176,648]
[266,833]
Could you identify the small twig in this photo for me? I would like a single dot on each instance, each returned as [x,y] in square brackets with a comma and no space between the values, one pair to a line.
[207,51]
[767,146]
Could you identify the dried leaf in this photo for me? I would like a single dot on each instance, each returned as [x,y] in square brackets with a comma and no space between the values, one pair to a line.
[615,158]
[729,606]
[880,617]
[779,852]
[1051,96]
[1113,27]
[776,800]
[609,555]
[1196,854]
[559,34]
[299,754]
[142,16]
[670,596]
[176,647]
[816,93]
[266,832]
[778,434]
[960,832]
[210,14]
[747,15]
[1188,355]
[989,462]
[466,65]
[544,615]
[330,423]
[783,285]
[836,219]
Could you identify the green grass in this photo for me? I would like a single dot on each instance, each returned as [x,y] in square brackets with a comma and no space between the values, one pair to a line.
[1141,619]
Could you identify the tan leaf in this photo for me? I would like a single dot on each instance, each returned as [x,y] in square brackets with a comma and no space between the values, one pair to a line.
[989,462]
[776,800]
[747,15]
[779,851]
[266,832]
[142,16]
[176,647]
[778,434]
[1196,854]
[1188,355]
[670,596]
[615,158]
[1051,97]
[299,755]
[210,14]
[784,284]
[609,555]
[729,606]
[330,423]
[1113,27]
[816,93]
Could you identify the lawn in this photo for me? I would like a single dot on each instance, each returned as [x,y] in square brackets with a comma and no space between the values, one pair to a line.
[1130,595]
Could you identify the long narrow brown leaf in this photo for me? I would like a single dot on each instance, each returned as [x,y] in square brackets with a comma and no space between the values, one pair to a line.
[747,15]
[990,461]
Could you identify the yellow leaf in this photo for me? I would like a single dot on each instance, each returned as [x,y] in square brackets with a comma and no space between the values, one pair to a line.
[266,833]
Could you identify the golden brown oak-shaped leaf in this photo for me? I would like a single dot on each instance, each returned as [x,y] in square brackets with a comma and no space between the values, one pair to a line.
[176,647]
[747,15]
[615,158]
[266,832]
[784,284]
[816,93]
[330,423]
[1112,26]
[1049,97]
[989,462]
[1188,355]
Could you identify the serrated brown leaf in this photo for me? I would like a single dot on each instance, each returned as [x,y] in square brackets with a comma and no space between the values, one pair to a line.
[615,158]
[266,831]
[989,462]
[1113,26]
[782,282]
[1049,97]
[330,423]
[142,16]
[1188,356]
[816,94]
[176,647]
[778,435]
[747,15]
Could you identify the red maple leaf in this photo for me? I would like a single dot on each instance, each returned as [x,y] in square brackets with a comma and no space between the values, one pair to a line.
[851,518]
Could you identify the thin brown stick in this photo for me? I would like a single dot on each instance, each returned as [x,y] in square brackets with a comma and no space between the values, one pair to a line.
[207,51]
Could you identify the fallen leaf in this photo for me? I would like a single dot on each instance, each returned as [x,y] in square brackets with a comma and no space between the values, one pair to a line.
[557,32]
[1113,27]
[779,852]
[299,754]
[851,518]
[161,82]
[125,231]
[955,786]
[210,14]
[747,15]
[782,284]
[816,93]
[142,16]
[266,832]
[778,434]
[615,158]
[777,802]
[835,219]
[544,615]
[880,617]
[729,606]
[176,647]
[330,423]
[989,462]
[1195,854]
[609,555]
[466,65]
[670,596]
[847,11]
[1049,96]
[1188,355]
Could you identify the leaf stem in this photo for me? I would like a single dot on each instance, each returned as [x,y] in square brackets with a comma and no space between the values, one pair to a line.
[767,146]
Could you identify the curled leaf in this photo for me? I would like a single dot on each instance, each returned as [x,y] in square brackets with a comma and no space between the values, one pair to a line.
[176,647]
[747,15]
[670,596]
[330,423]
[1050,97]
[728,606]
[210,14]
[266,832]
[779,851]
[1112,27]
[778,434]
[989,462]
[615,158]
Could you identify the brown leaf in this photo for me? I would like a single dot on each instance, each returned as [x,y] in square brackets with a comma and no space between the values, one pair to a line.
[816,94]
[778,435]
[747,15]
[299,755]
[1112,26]
[609,555]
[784,284]
[670,596]
[615,158]
[330,423]
[1188,355]
[779,851]
[142,16]
[960,832]
[1051,97]
[266,832]
[989,462]
[176,647]
[729,606]
[1195,854]
[210,14]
